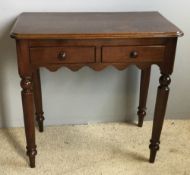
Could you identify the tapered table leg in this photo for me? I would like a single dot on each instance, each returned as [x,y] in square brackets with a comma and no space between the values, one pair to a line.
[27,102]
[25,72]
[38,99]
[160,109]
[144,85]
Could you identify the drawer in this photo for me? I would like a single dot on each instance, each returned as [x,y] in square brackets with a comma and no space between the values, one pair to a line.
[41,55]
[116,54]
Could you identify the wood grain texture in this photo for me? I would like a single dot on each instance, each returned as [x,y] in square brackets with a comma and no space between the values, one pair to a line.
[127,53]
[71,55]
[97,54]
[93,25]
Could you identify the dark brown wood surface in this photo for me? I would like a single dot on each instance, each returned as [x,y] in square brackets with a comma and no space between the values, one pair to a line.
[132,53]
[93,25]
[159,114]
[97,40]
[25,73]
[144,86]
[38,99]
[71,55]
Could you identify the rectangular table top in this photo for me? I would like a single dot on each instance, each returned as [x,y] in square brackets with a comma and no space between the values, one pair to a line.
[86,25]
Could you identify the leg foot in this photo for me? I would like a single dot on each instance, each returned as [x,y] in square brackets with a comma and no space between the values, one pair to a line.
[154,147]
[31,154]
[141,113]
[40,118]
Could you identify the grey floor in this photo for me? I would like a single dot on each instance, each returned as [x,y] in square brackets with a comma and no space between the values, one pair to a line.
[98,149]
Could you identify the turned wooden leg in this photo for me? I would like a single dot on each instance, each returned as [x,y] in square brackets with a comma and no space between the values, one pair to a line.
[27,102]
[144,85]
[38,99]
[160,109]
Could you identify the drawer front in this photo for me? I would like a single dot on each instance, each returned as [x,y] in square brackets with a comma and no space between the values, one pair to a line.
[57,55]
[116,54]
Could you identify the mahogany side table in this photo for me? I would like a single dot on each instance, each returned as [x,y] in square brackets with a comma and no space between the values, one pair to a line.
[97,40]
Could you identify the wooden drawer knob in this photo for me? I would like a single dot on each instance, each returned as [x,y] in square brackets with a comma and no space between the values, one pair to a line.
[134,54]
[62,56]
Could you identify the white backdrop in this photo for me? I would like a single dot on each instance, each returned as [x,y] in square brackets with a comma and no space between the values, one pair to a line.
[89,96]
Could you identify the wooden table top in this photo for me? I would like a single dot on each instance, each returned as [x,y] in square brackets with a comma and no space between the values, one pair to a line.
[93,25]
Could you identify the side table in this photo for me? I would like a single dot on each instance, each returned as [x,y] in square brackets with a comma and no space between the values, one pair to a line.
[97,40]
